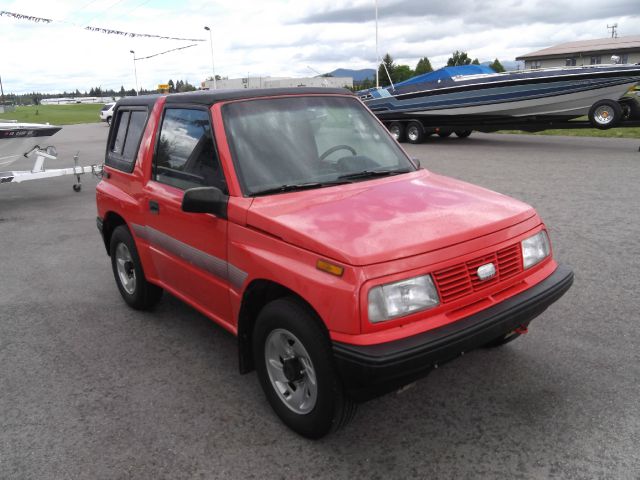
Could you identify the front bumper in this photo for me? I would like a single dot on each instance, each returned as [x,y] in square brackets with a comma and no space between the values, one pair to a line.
[371,370]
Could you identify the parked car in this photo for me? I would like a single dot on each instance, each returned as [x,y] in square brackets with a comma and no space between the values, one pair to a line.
[291,218]
[106,113]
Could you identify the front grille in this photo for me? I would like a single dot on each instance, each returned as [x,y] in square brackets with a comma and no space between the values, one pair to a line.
[462,279]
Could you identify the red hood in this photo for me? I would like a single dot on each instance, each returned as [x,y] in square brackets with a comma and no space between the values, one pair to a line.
[386,219]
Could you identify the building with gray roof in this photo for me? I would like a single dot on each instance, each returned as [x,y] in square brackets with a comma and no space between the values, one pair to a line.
[585,52]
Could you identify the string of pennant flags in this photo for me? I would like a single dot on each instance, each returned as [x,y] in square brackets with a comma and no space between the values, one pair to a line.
[107,31]
[168,51]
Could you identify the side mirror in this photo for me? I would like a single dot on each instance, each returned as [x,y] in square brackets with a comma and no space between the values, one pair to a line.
[416,161]
[205,200]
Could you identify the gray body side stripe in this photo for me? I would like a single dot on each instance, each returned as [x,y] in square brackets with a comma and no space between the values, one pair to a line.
[202,260]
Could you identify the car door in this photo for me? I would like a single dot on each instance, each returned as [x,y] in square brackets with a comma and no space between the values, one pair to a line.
[188,250]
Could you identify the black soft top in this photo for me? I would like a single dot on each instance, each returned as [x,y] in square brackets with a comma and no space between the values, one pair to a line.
[209,97]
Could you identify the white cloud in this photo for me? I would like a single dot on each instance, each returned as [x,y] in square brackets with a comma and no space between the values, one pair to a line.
[277,37]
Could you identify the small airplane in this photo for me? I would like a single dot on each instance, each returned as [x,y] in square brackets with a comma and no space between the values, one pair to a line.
[23,140]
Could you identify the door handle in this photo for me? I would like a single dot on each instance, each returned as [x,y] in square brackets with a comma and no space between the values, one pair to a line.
[154,207]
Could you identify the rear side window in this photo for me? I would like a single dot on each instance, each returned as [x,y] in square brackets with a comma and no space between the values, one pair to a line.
[125,138]
[186,156]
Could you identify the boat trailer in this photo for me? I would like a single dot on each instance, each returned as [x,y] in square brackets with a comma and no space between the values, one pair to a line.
[39,171]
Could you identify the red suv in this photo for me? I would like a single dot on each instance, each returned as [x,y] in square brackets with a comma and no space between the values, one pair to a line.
[292,219]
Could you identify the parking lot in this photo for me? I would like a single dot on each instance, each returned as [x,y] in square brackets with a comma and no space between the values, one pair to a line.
[92,389]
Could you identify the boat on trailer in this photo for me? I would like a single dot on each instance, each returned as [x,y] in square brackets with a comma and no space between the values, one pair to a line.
[476,95]
[17,138]
[20,140]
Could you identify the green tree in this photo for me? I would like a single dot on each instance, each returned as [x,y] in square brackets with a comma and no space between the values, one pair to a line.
[475,62]
[497,66]
[423,66]
[172,87]
[401,73]
[458,58]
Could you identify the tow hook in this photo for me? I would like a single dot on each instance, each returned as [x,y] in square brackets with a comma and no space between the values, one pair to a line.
[521,330]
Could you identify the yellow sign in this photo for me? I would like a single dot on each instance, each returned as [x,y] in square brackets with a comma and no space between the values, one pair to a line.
[163,86]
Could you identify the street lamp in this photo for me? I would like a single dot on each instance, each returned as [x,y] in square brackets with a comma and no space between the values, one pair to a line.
[135,71]
[213,68]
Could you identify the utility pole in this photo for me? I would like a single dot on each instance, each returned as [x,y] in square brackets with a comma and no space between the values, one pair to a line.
[1,92]
[614,30]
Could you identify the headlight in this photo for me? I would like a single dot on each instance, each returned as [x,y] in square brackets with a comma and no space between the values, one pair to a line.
[402,298]
[535,249]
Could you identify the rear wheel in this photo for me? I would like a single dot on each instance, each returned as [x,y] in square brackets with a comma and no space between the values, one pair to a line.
[396,129]
[127,270]
[294,362]
[109,121]
[444,134]
[415,133]
[605,114]
[463,133]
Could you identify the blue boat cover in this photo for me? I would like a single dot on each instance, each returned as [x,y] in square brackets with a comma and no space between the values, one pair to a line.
[446,72]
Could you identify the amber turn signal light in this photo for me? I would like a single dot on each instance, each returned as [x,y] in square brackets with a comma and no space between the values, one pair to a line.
[329,268]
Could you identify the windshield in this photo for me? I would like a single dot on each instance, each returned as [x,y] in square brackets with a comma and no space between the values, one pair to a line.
[290,143]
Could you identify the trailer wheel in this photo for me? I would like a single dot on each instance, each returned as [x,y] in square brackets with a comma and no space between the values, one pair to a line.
[463,133]
[605,114]
[415,133]
[396,129]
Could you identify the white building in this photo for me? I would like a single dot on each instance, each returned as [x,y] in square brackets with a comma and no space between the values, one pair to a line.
[585,52]
[279,82]
[70,101]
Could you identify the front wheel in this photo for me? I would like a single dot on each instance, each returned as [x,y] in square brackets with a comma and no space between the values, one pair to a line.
[605,114]
[294,362]
[127,270]
[396,129]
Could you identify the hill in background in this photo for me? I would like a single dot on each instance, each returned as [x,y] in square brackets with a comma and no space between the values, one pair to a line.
[357,75]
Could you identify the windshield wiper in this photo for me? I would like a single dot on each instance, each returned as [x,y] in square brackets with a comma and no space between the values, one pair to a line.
[298,186]
[373,173]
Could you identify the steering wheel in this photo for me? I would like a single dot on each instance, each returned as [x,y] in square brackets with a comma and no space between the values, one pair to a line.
[336,148]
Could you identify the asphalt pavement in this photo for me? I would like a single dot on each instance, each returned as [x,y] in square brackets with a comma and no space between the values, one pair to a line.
[91,389]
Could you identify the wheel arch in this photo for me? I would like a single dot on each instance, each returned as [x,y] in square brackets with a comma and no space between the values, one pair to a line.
[110,222]
[259,293]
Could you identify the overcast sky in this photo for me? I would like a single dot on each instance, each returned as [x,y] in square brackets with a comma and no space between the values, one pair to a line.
[278,37]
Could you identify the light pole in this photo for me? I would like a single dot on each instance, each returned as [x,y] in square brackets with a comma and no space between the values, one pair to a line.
[213,68]
[377,54]
[135,70]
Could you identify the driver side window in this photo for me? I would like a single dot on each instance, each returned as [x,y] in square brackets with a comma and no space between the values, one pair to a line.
[185,155]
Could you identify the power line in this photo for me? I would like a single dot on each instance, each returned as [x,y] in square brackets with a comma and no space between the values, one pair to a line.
[81,8]
[103,11]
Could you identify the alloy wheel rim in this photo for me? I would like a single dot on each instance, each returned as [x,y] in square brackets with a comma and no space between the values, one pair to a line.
[291,372]
[126,271]
[413,134]
[604,115]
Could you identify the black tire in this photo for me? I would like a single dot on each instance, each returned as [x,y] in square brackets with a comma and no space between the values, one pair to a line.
[415,133]
[463,133]
[109,121]
[77,187]
[444,134]
[329,409]
[396,129]
[141,294]
[605,114]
